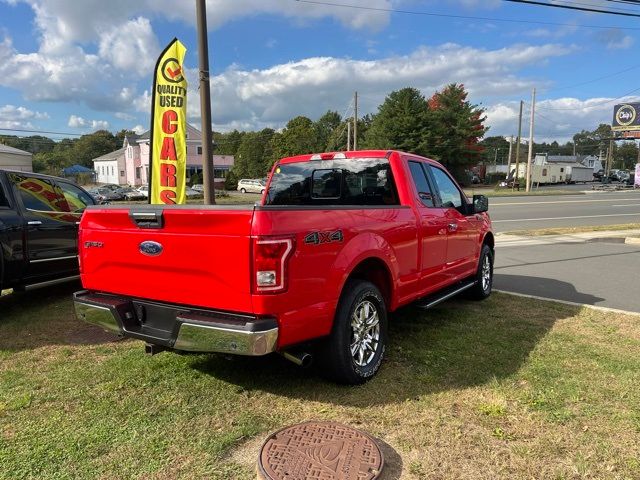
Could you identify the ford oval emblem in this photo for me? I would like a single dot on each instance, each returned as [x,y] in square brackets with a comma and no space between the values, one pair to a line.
[152,249]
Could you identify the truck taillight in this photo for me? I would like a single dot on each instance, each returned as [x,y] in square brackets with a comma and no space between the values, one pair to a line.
[270,258]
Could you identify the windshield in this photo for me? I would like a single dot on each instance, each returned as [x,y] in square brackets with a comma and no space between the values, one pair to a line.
[361,181]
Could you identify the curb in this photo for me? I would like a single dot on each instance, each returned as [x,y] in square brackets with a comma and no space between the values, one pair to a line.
[573,304]
[632,241]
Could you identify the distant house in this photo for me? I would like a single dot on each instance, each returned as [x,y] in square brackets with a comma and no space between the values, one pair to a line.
[14,159]
[594,162]
[130,164]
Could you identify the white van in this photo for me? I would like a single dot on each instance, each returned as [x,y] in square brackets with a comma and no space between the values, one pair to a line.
[251,186]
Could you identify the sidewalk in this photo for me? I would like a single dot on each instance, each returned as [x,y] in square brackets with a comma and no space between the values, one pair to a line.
[506,240]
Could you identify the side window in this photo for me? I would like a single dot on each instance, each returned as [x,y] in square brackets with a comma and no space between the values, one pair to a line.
[450,196]
[421,183]
[39,194]
[76,198]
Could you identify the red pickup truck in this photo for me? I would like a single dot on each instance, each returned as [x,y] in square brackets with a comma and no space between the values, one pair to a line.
[337,241]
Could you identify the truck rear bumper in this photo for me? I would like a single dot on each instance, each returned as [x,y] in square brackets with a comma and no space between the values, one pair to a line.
[178,327]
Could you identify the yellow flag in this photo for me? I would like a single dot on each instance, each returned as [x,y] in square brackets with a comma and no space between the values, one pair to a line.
[168,154]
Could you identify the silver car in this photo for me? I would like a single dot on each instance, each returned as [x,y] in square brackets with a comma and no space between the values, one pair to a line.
[251,186]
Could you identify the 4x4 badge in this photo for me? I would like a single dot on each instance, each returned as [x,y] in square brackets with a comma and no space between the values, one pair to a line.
[317,238]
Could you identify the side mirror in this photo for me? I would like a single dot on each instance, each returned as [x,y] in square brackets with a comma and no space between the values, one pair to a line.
[480,204]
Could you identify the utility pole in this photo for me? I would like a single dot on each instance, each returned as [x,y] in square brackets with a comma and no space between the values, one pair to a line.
[355,121]
[348,135]
[509,159]
[495,158]
[533,113]
[205,104]
[515,177]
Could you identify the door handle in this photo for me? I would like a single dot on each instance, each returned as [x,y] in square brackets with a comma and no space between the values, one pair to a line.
[452,227]
[34,222]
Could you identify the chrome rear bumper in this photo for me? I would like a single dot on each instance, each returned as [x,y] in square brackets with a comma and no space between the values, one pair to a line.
[176,327]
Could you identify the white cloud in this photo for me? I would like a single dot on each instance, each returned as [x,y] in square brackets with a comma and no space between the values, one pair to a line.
[615,39]
[11,112]
[270,97]
[79,122]
[132,47]
[63,21]
[139,129]
[76,122]
[556,119]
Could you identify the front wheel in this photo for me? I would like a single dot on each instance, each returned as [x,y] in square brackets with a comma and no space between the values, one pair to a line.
[354,351]
[484,275]
[242,190]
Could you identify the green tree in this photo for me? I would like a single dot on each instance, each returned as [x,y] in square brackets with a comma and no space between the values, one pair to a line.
[456,126]
[401,123]
[227,143]
[626,156]
[591,142]
[298,137]
[327,128]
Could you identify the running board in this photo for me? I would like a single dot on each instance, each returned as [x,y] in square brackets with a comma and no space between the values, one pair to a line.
[439,297]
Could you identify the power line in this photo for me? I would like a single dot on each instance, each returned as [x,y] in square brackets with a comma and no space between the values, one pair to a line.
[569,7]
[42,131]
[462,17]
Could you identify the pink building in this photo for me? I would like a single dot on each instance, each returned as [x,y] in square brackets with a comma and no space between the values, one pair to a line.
[130,164]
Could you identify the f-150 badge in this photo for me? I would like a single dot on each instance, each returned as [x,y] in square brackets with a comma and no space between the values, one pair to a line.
[317,238]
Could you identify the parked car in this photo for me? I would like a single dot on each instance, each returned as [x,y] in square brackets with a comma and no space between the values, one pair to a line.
[132,194]
[337,242]
[251,186]
[198,187]
[97,196]
[39,218]
[144,190]
[110,195]
[191,193]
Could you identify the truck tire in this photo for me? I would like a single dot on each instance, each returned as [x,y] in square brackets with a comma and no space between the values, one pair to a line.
[484,275]
[354,351]
[242,190]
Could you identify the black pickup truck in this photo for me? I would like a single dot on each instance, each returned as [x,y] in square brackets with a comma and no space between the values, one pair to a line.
[39,217]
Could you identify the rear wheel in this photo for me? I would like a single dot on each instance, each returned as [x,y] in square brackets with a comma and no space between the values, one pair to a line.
[354,351]
[243,190]
[484,275]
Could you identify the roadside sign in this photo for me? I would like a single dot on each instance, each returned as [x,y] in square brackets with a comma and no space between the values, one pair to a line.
[626,117]
[636,182]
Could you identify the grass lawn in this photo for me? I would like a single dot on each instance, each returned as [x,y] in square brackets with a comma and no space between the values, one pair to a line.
[509,388]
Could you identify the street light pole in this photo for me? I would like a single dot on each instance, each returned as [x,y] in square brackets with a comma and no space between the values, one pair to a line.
[205,104]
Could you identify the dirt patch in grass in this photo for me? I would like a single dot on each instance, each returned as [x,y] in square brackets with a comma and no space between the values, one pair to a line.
[509,388]
[571,230]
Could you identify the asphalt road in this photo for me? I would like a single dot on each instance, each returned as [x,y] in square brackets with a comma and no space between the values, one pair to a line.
[524,213]
[595,273]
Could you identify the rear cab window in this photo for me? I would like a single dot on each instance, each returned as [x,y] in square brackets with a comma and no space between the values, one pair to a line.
[4,201]
[352,181]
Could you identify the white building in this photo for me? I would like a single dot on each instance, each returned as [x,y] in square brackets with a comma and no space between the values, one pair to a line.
[110,168]
[130,164]
[14,159]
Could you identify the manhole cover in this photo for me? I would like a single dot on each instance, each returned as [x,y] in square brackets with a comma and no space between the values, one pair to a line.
[320,450]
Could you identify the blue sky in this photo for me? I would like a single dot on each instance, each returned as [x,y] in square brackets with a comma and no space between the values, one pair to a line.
[76,66]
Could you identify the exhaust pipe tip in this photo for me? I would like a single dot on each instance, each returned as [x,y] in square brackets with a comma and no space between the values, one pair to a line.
[302,359]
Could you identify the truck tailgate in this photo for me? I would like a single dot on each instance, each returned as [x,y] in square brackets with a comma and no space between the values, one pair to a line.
[198,256]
